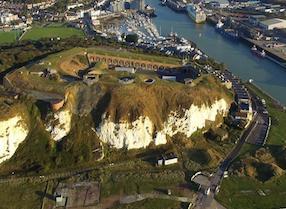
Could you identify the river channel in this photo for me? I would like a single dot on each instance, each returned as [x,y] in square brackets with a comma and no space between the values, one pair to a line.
[236,55]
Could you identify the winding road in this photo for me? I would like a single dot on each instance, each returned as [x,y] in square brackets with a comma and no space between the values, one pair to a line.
[253,132]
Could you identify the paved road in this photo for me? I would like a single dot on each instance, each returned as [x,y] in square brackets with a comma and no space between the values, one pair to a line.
[263,123]
[257,132]
[139,197]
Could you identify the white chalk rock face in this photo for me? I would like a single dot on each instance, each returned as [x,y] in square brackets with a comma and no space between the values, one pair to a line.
[194,118]
[60,125]
[12,132]
[141,132]
[136,135]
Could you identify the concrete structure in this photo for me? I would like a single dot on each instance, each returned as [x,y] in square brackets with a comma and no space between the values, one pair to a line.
[270,24]
[125,69]
[149,81]
[57,104]
[168,159]
[90,78]
[61,201]
[141,5]
[126,80]
[185,74]
[169,77]
[77,195]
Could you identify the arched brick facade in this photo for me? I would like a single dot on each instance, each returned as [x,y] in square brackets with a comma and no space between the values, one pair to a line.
[126,62]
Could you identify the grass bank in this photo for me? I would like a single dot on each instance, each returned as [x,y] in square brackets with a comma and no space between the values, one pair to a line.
[249,193]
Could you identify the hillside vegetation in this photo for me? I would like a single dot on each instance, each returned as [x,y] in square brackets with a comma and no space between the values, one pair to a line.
[39,153]
[158,100]
[258,179]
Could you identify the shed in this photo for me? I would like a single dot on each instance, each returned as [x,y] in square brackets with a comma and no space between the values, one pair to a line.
[167,159]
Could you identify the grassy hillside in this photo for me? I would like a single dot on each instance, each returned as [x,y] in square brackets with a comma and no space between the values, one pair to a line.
[259,181]
[121,102]
[157,100]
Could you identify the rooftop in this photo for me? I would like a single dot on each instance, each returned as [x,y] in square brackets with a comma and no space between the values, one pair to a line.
[273,21]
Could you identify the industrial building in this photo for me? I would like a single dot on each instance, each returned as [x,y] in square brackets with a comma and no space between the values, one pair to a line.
[271,24]
[78,195]
[256,19]
[6,18]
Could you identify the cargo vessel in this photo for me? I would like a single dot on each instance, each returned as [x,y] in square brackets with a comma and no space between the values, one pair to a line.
[196,13]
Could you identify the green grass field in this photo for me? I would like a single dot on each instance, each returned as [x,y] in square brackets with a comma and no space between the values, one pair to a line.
[52,31]
[22,195]
[243,192]
[8,37]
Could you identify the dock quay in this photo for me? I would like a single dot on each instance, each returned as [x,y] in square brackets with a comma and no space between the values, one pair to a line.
[275,54]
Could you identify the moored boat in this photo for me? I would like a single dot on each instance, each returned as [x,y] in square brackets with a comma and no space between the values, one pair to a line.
[196,13]
[258,53]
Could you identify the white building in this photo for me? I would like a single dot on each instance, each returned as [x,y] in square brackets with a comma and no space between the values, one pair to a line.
[6,18]
[168,159]
[72,6]
[270,24]
[117,6]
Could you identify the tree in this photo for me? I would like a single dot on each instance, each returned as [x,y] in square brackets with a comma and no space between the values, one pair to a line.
[131,38]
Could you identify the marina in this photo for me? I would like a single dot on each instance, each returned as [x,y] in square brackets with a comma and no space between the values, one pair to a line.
[266,74]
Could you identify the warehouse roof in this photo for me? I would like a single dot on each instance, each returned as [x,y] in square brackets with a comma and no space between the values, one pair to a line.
[272,21]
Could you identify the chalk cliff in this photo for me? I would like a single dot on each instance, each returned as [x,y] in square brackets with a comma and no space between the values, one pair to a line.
[60,125]
[13,131]
[141,132]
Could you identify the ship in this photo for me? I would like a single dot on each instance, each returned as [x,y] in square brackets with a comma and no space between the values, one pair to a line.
[231,34]
[227,32]
[150,11]
[196,13]
[176,6]
[257,52]
[219,26]
[163,2]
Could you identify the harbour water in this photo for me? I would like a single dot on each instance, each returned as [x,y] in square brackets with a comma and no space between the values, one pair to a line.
[236,55]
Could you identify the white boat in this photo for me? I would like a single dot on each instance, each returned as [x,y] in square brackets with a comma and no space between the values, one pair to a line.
[253,48]
[196,13]
[257,52]
[219,25]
